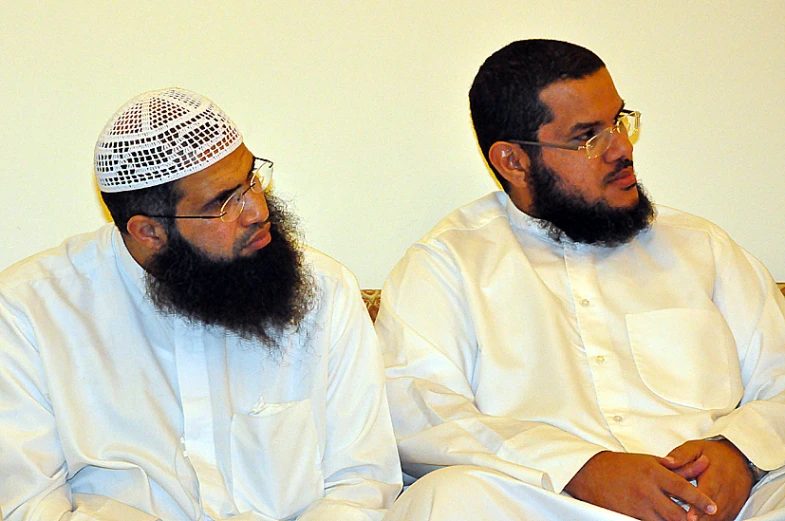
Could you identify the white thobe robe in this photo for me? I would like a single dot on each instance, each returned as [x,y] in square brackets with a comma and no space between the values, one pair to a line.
[515,353]
[117,412]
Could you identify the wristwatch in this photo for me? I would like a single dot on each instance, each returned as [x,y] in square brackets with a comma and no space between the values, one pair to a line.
[757,472]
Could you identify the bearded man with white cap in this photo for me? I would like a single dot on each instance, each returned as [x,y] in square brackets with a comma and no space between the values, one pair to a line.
[192,360]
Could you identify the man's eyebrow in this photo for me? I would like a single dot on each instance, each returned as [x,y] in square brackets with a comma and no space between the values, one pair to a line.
[251,170]
[584,126]
[220,197]
[592,124]
[223,195]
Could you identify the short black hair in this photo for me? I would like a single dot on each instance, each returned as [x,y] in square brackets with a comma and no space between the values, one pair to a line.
[505,96]
[155,200]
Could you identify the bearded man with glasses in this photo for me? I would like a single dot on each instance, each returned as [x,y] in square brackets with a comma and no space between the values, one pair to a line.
[193,360]
[565,350]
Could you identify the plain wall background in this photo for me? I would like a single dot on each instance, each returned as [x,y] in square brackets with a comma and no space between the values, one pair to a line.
[363,106]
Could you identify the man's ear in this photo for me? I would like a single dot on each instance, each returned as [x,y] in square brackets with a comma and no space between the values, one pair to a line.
[147,232]
[510,161]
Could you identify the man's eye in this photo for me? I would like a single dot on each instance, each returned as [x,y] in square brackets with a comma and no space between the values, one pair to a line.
[585,136]
[215,205]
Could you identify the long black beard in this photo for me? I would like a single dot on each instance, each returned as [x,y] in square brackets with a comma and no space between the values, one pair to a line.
[256,297]
[565,212]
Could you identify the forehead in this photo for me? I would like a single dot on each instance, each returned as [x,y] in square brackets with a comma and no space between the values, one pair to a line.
[228,173]
[584,100]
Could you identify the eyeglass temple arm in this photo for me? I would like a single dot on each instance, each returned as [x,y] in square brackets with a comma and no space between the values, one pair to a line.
[185,216]
[551,145]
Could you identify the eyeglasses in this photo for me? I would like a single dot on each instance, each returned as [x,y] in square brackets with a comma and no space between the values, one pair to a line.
[628,122]
[261,175]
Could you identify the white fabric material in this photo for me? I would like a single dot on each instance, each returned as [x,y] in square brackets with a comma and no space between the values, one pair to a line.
[110,408]
[472,493]
[508,351]
[161,136]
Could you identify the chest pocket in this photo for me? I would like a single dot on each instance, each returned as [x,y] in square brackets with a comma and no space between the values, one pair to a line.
[686,356]
[276,461]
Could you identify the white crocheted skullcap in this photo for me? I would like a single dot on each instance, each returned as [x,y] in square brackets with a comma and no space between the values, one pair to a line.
[161,136]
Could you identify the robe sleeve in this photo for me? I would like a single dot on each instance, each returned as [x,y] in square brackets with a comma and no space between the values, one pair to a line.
[33,468]
[754,309]
[361,466]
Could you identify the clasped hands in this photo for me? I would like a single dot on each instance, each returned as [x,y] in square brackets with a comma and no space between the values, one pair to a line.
[644,487]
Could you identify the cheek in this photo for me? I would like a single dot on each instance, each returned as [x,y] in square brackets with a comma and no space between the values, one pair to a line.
[587,182]
[576,172]
[216,240]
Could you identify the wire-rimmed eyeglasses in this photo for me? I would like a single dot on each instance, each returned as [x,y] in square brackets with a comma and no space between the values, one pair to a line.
[627,122]
[260,176]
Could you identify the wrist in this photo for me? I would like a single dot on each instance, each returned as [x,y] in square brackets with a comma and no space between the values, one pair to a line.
[757,472]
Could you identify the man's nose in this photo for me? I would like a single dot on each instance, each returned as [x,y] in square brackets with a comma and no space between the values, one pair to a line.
[621,147]
[255,210]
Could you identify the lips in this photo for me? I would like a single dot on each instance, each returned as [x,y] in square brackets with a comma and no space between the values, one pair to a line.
[260,239]
[624,178]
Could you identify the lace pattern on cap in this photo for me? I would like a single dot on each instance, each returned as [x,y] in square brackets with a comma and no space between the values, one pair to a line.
[161,136]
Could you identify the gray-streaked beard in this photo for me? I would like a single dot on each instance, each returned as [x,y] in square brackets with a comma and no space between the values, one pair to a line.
[258,298]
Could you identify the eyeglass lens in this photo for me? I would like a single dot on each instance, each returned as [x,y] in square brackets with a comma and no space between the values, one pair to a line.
[263,175]
[627,124]
[234,206]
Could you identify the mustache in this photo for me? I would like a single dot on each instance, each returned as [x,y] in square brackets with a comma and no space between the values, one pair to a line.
[253,230]
[621,164]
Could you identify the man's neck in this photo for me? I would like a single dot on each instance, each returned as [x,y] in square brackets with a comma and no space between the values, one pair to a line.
[522,200]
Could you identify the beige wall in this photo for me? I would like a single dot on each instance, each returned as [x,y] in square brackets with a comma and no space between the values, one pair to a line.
[363,105]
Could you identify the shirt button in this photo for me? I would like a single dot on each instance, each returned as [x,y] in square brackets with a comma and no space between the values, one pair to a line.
[600,359]
[617,418]
[585,302]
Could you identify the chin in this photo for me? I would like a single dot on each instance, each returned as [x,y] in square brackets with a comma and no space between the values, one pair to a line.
[218,256]
[625,200]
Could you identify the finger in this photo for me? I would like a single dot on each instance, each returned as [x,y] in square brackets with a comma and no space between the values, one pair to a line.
[681,489]
[694,515]
[693,469]
[728,499]
[685,453]
[669,510]
[671,463]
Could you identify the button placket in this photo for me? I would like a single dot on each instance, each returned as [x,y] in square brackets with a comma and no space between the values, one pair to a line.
[198,441]
[592,318]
